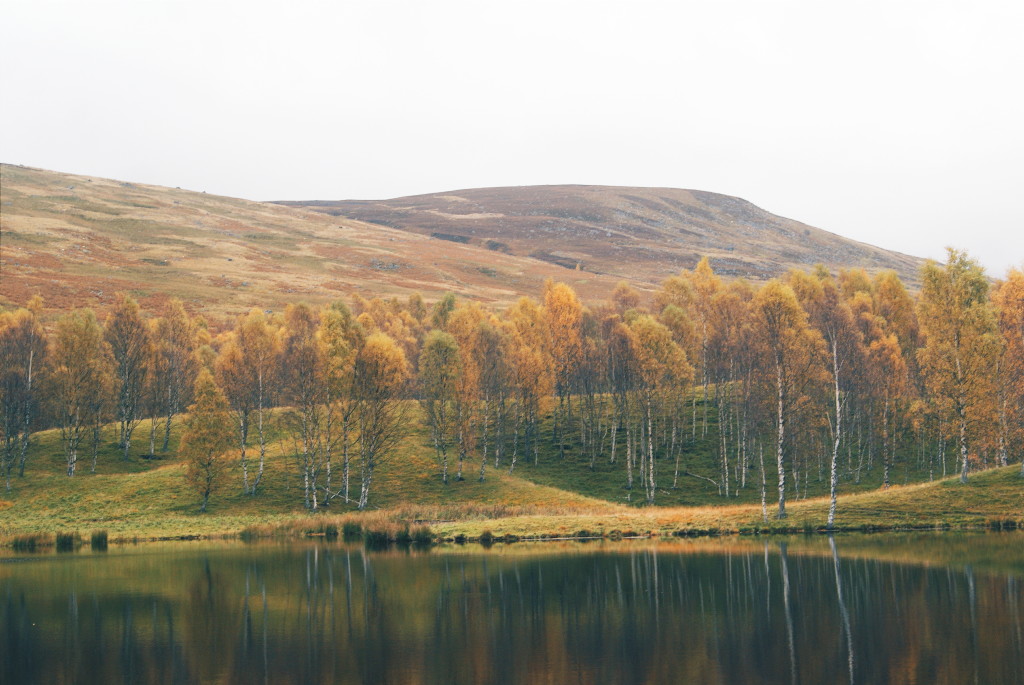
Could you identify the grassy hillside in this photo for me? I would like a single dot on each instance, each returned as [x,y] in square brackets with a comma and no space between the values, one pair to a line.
[639,234]
[78,240]
[148,498]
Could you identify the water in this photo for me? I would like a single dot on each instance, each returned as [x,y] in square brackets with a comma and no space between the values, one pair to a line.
[917,609]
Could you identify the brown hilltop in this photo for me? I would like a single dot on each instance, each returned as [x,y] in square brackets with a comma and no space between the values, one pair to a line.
[641,234]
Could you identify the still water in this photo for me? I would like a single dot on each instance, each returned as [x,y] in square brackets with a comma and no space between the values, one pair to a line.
[915,609]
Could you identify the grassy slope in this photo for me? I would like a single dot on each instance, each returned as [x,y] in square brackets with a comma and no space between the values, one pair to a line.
[78,240]
[148,498]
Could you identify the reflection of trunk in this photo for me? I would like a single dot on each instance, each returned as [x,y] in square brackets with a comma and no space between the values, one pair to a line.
[973,597]
[789,614]
[842,607]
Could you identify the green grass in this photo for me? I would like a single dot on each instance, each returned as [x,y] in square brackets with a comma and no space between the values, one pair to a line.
[148,499]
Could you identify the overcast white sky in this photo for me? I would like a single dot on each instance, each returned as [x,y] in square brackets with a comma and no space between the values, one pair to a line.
[897,123]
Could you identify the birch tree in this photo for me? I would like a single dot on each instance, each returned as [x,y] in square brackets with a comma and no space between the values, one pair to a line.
[791,350]
[78,358]
[127,334]
[381,375]
[958,357]
[22,360]
[439,373]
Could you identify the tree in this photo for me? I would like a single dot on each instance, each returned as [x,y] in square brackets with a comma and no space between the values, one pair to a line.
[340,339]
[439,373]
[791,349]
[128,336]
[79,360]
[207,438]
[175,367]
[531,373]
[381,374]
[1008,299]
[959,353]
[661,373]
[563,313]
[302,371]
[246,370]
[22,357]
[829,313]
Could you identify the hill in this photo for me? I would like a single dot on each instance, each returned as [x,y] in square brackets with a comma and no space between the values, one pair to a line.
[640,234]
[77,240]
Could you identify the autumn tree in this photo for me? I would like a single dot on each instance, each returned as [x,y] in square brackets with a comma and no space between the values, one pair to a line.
[302,375]
[530,371]
[662,372]
[830,314]
[127,334]
[340,338]
[246,371]
[465,325]
[206,439]
[79,361]
[791,351]
[1008,299]
[439,373]
[175,364]
[959,353]
[887,372]
[22,359]
[380,376]
[563,313]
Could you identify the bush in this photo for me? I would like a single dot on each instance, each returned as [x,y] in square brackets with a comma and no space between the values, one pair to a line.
[66,542]
[350,530]
[98,540]
[487,538]
[422,536]
[29,542]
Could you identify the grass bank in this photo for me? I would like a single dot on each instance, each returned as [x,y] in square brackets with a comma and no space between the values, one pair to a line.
[146,498]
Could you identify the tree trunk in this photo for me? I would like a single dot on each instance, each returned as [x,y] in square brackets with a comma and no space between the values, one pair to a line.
[781,418]
[834,470]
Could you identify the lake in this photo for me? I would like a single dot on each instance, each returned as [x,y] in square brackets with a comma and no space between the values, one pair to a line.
[925,608]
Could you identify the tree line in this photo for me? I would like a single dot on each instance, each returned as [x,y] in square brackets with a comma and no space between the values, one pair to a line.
[848,368]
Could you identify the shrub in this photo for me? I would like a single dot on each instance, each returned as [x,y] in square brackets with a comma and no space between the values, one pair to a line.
[422,536]
[66,542]
[98,540]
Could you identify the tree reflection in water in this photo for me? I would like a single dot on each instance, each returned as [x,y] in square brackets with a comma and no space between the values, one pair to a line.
[522,614]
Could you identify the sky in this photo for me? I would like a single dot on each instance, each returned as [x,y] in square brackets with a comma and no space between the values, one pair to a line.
[897,123]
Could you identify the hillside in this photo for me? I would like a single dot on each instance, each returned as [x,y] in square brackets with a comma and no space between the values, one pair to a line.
[642,234]
[78,240]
